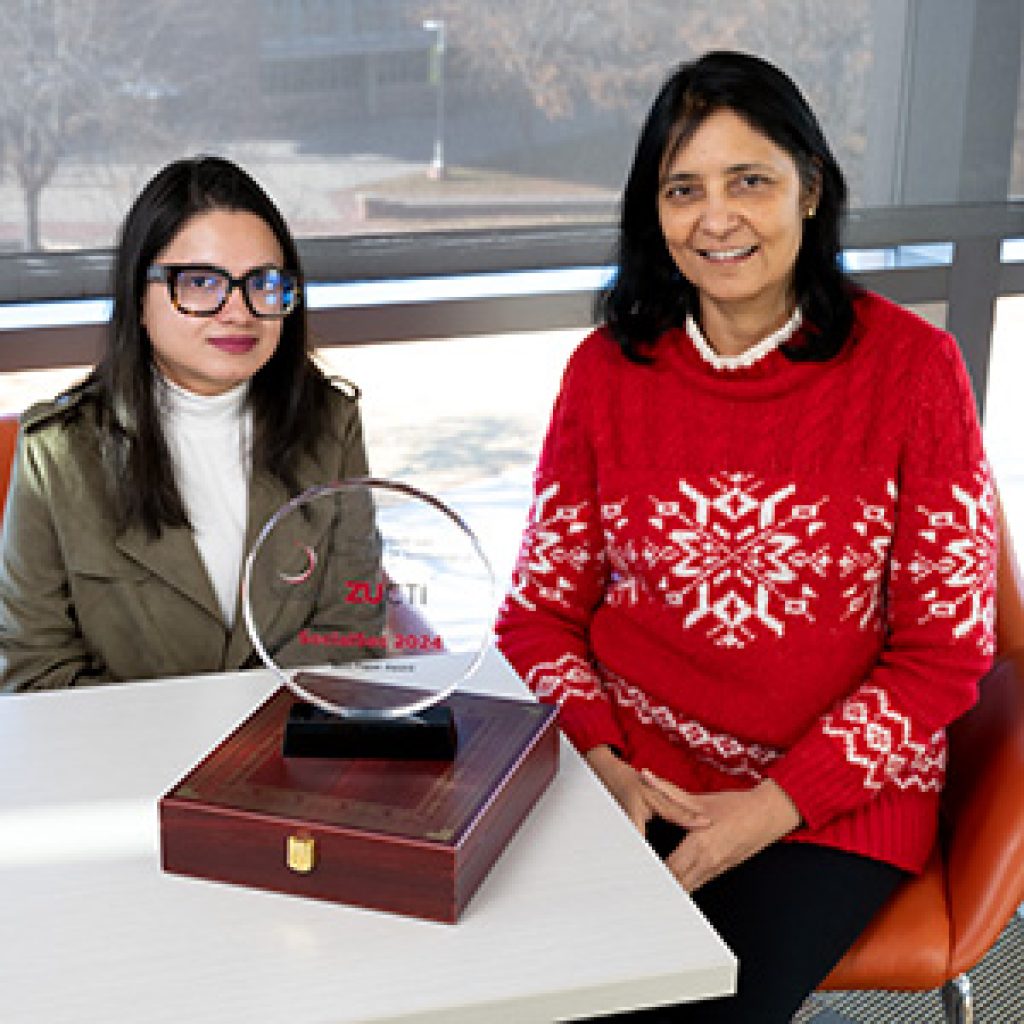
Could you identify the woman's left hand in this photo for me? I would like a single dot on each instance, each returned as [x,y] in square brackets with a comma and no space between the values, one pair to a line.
[742,822]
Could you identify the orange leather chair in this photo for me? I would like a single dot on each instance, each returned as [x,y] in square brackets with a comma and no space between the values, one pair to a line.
[940,924]
[8,439]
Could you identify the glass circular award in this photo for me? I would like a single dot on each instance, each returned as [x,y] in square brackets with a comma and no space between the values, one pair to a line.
[372,601]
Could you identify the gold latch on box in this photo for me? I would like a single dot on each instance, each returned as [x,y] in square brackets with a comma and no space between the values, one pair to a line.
[301,854]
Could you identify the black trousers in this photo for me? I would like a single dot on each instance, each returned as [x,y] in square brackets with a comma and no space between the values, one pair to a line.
[789,914]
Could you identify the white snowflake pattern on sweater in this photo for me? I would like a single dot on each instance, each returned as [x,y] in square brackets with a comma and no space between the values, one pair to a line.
[743,560]
[568,676]
[880,741]
[953,565]
[554,551]
[864,564]
[725,752]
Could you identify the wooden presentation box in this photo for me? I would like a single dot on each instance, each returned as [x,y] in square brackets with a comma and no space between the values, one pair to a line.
[411,837]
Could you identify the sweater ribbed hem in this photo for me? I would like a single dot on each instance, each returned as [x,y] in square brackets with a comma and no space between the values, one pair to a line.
[897,828]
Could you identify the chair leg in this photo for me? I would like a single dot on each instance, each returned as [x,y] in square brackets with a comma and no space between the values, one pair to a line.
[957,1001]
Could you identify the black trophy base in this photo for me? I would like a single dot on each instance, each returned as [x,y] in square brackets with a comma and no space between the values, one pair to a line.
[428,735]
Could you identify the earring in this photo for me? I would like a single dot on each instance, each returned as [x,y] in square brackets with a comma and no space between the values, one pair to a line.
[811,211]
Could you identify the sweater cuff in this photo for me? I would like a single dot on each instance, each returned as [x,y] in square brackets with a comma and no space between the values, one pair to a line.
[854,754]
[585,715]
[590,724]
[817,791]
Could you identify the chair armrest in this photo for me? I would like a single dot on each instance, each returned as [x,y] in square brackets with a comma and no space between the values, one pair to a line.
[984,804]
[906,946]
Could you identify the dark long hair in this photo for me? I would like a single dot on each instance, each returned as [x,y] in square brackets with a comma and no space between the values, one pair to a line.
[288,396]
[648,295]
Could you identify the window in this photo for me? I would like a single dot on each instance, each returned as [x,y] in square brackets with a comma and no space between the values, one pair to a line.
[332,103]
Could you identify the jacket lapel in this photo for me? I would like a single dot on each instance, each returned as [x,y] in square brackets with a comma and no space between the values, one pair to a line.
[175,558]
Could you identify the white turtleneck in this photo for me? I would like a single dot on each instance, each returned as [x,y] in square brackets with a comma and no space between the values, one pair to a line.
[209,441]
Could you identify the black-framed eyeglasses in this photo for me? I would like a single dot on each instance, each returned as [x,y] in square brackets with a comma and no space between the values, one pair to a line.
[198,289]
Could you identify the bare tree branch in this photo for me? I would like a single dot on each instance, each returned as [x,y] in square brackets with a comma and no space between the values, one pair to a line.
[98,76]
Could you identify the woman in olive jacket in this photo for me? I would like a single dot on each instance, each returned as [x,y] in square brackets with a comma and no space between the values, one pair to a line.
[134,496]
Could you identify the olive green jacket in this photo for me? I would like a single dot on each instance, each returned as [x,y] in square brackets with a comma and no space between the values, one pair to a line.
[81,603]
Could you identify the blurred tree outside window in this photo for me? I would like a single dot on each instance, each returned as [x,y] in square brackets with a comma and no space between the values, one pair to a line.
[331,103]
[93,95]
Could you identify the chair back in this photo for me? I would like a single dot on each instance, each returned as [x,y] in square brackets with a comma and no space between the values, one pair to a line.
[983,815]
[8,441]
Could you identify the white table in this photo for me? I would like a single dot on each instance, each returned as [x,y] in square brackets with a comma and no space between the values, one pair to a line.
[577,917]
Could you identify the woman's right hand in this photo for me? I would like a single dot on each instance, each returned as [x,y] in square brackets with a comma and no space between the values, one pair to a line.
[633,794]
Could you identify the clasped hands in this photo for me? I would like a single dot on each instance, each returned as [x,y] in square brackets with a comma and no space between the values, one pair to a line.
[723,829]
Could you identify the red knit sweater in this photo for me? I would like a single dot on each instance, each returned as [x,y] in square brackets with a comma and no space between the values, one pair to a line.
[781,571]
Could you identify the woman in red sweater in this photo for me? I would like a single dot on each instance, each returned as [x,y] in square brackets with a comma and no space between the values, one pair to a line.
[758,576]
